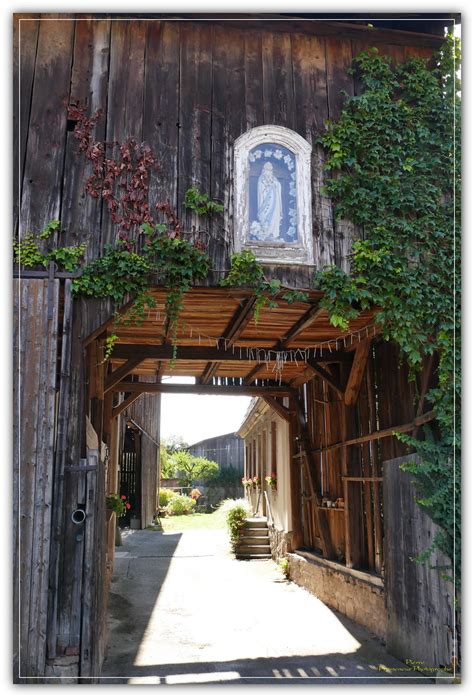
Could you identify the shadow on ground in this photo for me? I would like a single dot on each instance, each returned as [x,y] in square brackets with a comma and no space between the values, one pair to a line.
[326,669]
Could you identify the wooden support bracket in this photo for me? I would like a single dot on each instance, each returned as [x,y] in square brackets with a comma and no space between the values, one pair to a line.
[121,373]
[354,381]
[125,403]
[278,407]
[326,375]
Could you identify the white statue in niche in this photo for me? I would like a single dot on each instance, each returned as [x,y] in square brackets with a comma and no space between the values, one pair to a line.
[272,195]
[269,204]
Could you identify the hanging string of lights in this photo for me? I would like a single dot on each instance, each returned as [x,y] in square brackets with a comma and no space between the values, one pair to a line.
[279,357]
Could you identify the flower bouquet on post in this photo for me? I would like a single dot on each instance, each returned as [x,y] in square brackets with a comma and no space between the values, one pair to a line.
[247,482]
[271,480]
[256,482]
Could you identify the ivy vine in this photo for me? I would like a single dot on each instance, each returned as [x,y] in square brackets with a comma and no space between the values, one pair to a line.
[396,162]
[201,203]
[39,249]
[247,272]
[174,263]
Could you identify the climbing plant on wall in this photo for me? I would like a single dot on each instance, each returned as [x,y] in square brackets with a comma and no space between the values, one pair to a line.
[395,160]
[146,249]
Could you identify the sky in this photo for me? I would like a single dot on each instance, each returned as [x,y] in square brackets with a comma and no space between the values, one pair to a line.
[196,417]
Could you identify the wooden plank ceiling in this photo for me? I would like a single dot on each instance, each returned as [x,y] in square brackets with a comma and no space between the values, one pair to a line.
[219,339]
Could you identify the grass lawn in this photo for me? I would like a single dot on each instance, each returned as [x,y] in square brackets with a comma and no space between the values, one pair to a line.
[193,521]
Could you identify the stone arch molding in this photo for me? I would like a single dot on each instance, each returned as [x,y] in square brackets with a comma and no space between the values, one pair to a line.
[273,203]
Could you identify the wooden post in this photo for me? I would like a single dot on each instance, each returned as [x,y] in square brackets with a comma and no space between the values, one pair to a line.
[88,620]
[295,488]
[378,550]
[345,483]
[323,528]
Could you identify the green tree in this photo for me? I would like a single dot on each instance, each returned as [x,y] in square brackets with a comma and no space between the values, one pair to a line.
[189,467]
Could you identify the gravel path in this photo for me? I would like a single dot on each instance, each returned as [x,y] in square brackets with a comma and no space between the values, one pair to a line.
[183,610]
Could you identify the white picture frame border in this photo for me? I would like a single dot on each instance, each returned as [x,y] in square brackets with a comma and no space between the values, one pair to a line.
[269,252]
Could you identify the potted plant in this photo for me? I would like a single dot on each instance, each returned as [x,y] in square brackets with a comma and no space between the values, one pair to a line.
[117,504]
[271,480]
[256,482]
[247,482]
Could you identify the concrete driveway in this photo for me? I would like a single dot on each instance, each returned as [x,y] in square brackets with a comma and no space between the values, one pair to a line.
[183,610]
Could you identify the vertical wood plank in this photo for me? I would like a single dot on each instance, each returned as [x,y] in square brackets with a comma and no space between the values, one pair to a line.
[367,469]
[41,193]
[161,108]
[339,60]
[311,112]
[350,543]
[278,92]
[80,213]
[125,95]
[36,317]
[374,450]
[25,40]
[87,604]
[31,312]
[419,600]
[43,475]
[228,123]
[194,116]
[64,406]
[253,75]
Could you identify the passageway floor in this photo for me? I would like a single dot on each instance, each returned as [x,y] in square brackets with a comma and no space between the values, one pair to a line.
[183,610]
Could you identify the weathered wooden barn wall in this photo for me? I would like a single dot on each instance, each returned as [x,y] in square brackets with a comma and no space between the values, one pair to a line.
[420,602]
[387,400]
[227,450]
[36,328]
[188,89]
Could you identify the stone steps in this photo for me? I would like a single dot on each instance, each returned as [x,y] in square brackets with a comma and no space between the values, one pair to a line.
[254,542]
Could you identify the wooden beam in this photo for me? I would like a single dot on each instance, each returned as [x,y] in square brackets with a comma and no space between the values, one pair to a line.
[357,372]
[125,403]
[121,373]
[348,546]
[362,479]
[232,332]
[209,353]
[386,433]
[238,390]
[326,375]
[279,408]
[370,35]
[303,323]
[208,373]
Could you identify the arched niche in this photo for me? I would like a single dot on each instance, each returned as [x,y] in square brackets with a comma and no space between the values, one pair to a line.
[272,195]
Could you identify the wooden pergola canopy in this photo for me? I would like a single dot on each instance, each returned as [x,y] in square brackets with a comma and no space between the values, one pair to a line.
[219,341]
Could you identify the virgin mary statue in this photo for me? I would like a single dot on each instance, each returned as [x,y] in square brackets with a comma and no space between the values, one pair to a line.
[269,203]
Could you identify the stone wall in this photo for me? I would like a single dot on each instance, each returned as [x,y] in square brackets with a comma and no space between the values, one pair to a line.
[356,594]
[280,542]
